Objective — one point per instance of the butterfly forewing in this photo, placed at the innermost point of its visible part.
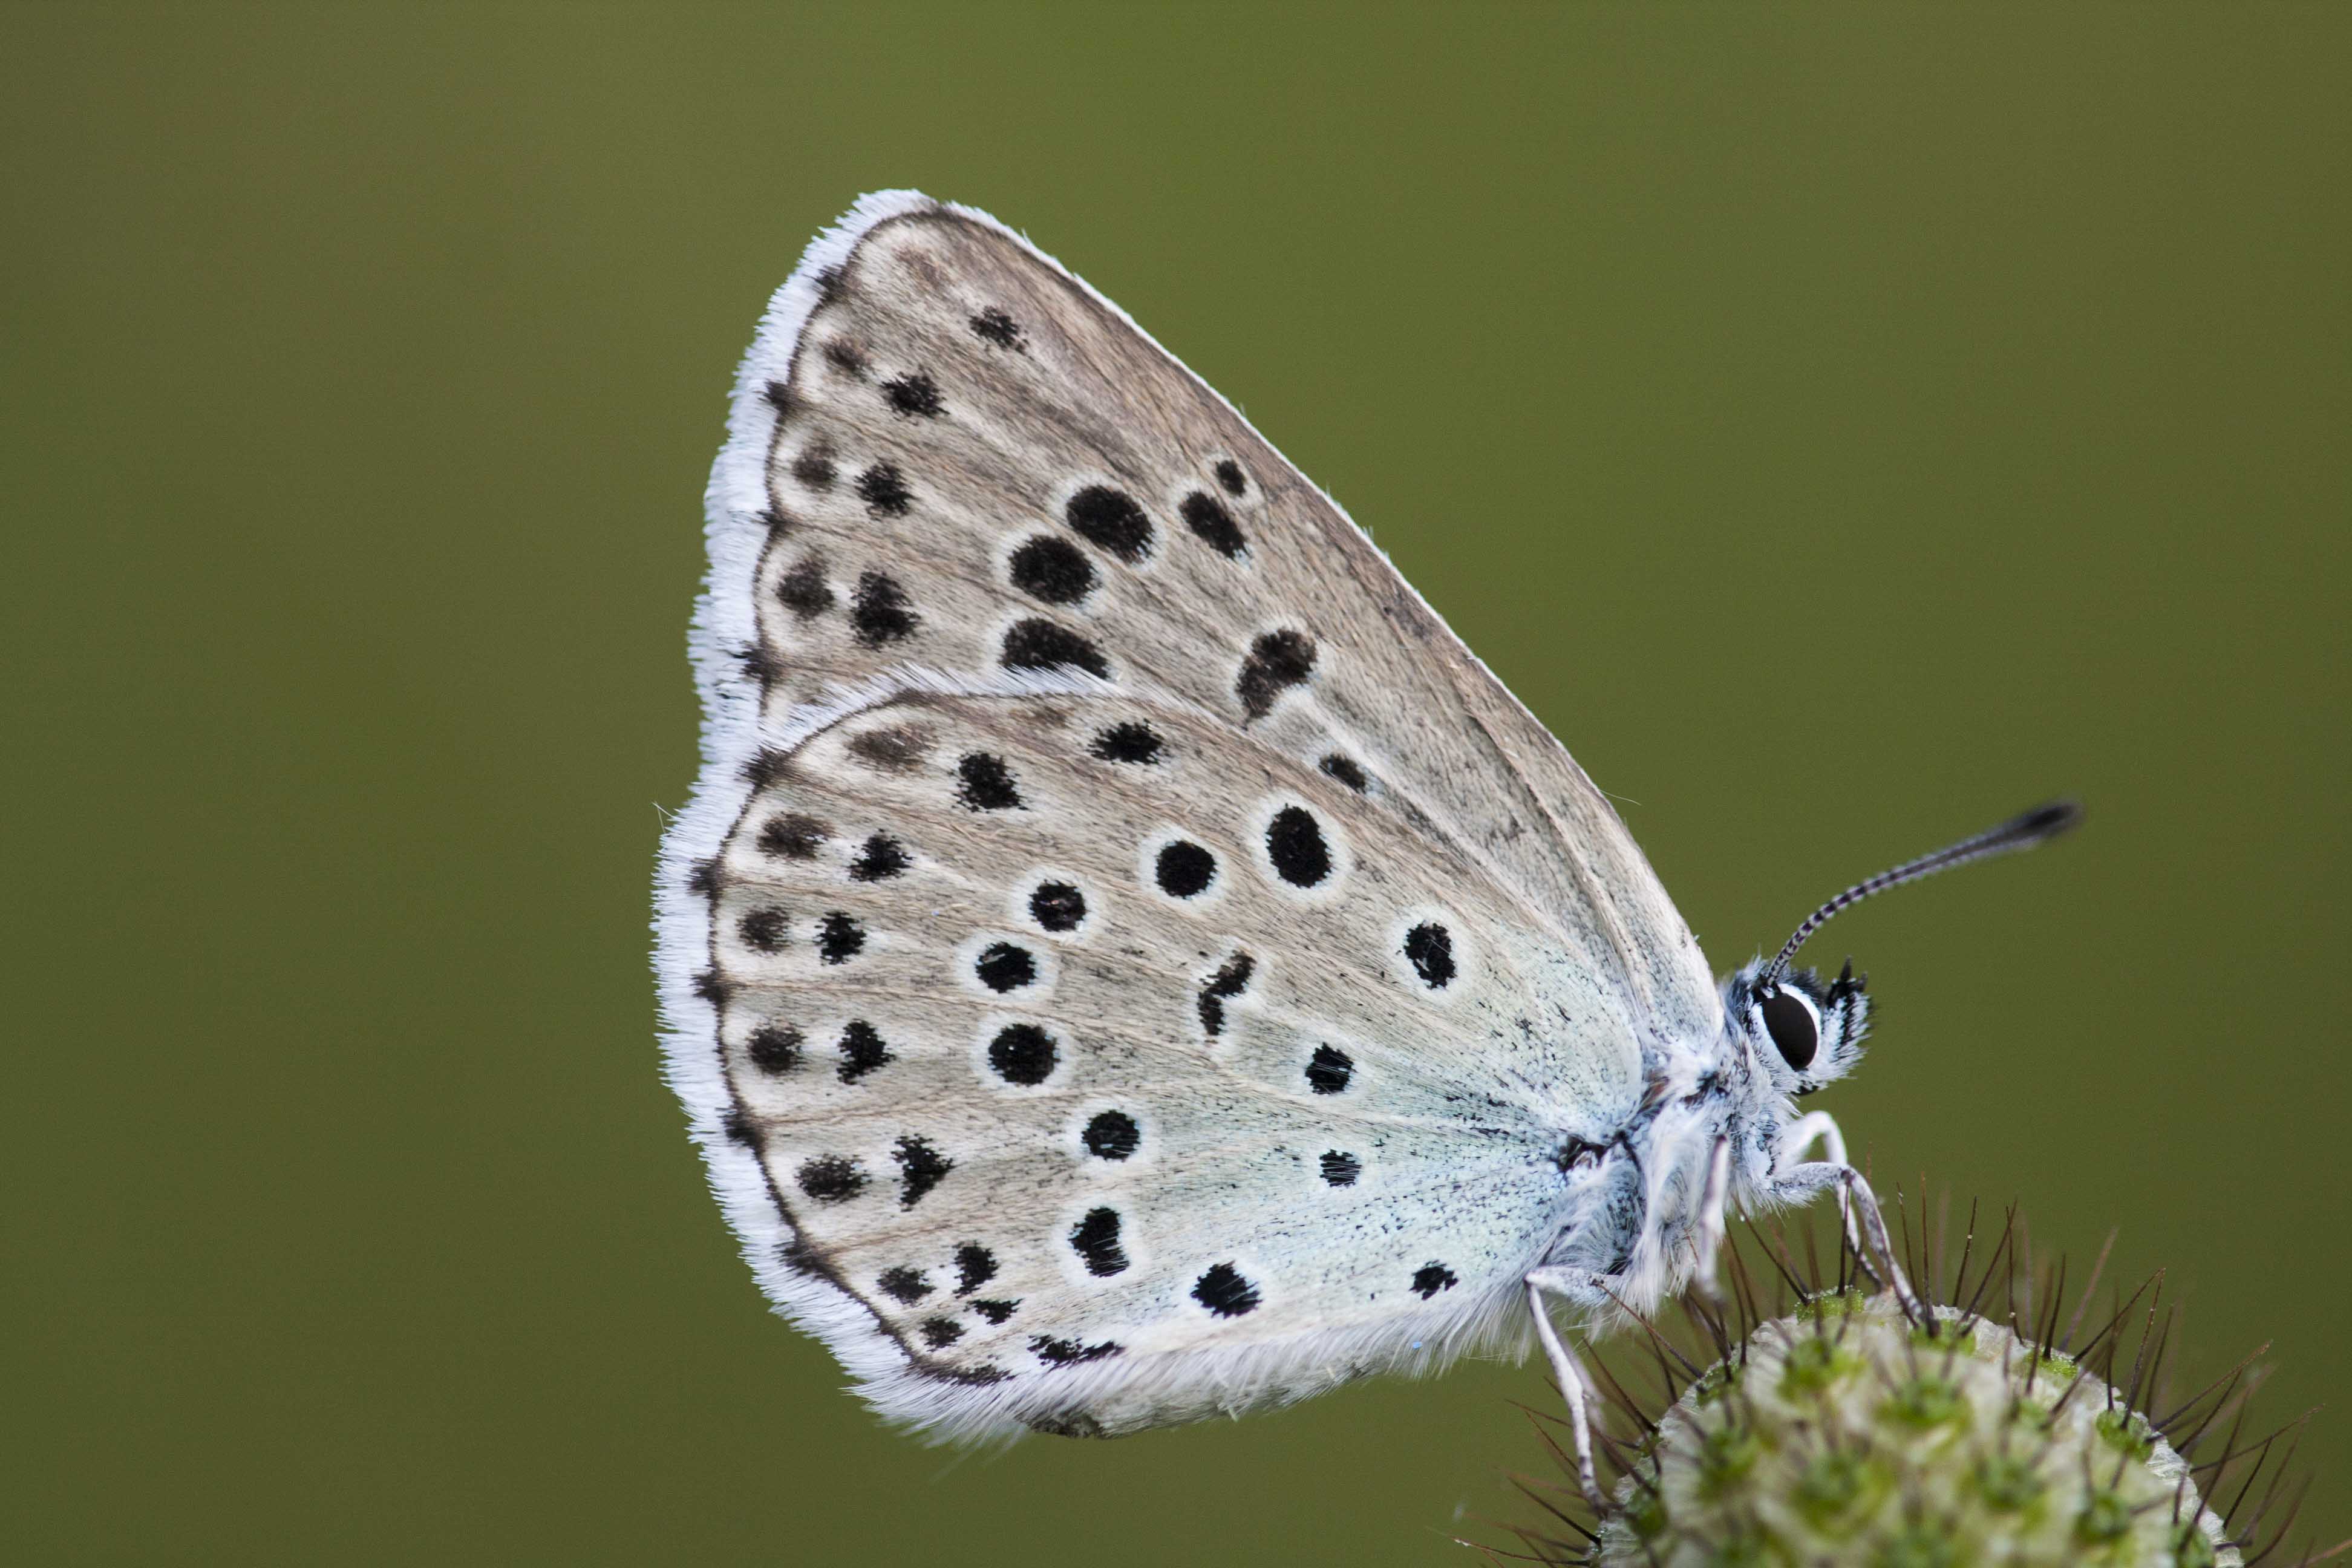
(1149, 966)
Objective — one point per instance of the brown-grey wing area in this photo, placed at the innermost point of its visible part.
(1116, 1096)
(1084, 501)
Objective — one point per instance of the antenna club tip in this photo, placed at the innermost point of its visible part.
(2049, 821)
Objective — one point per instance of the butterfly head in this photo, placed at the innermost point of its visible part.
(1801, 1032)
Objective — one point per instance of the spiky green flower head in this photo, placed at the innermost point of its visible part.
(1846, 1432)
(2005, 1422)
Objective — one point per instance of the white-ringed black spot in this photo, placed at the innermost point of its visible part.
(774, 1047)
(904, 1284)
(938, 1333)
(1109, 519)
(1070, 1352)
(862, 1049)
(985, 784)
(1229, 474)
(921, 1167)
(1276, 662)
(839, 938)
(1206, 516)
(831, 1178)
(1341, 1170)
(994, 1311)
(1294, 843)
(1051, 568)
(1431, 1277)
(1132, 742)
(1111, 1135)
(1429, 948)
(1036, 644)
(994, 326)
(794, 836)
(879, 860)
(914, 396)
(975, 1266)
(1224, 1292)
(1057, 906)
(880, 611)
(1005, 966)
(804, 591)
(763, 930)
(1329, 1069)
(1095, 1239)
(1184, 869)
(1346, 771)
(883, 489)
(1023, 1054)
(1223, 986)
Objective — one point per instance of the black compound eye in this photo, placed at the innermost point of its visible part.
(1795, 1027)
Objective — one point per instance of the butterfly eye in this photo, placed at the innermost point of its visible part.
(1795, 1027)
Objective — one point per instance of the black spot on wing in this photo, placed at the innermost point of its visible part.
(1429, 948)
(883, 489)
(803, 589)
(1111, 1135)
(993, 325)
(1431, 1278)
(1095, 1239)
(1224, 1292)
(1184, 869)
(914, 396)
(1346, 771)
(814, 469)
(921, 1167)
(1070, 1352)
(938, 1333)
(880, 612)
(774, 1047)
(1057, 906)
(1294, 844)
(1223, 986)
(1229, 474)
(1276, 662)
(1023, 1054)
(862, 1049)
(975, 1266)
(904, 1284)
(839, 937)
(1053, 569)
(1329, 1071)
(1207, 517)
(1037, 644)
(1341, 1170)
(793, 837)
(1109, 519)
(1133, 742)
(1004, 966)
(831, 1178)
(985, 784)
(763, 930)
(881, 858)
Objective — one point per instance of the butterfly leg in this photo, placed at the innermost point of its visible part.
(1710, 1240)
(1806, 1181)
(1566, 1373)
(1821, 1127)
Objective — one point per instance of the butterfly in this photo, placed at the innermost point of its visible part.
(1124, 959)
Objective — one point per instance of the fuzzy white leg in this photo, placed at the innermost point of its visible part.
(1808, 1179)
(1820, 1126)
(1569, 1377)
(1709, 1237)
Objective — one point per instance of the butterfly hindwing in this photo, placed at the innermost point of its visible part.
(1233, 1051)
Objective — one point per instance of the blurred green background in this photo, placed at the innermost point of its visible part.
(1843, 426)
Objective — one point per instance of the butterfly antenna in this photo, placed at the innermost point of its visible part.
(2039, 825)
